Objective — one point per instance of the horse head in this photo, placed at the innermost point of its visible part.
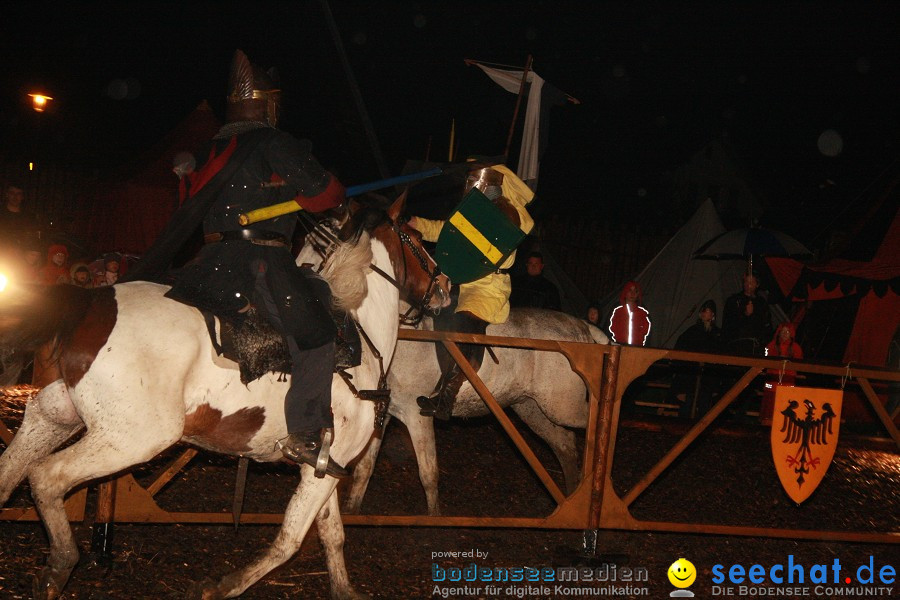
(414, 272)
(423, 284)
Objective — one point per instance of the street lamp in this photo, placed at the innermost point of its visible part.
(39, 102)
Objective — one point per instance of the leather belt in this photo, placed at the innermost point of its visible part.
(254, 236)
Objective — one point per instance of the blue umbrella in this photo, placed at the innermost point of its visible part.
(752, 241)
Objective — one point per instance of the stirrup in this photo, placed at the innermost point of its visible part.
(298, 448)
(324, 451)
(435, 406)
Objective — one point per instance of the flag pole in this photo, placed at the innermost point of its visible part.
(452, 138)
(512, 126)
(354, 89)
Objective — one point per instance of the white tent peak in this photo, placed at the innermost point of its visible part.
(675, 285)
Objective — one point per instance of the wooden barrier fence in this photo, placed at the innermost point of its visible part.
(594, 505)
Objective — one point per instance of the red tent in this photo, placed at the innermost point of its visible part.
(132, 207)
(876, 283)
(868, 288)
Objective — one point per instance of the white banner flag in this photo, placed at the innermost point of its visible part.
(528, 154)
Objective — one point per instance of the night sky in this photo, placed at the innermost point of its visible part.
(657, 81)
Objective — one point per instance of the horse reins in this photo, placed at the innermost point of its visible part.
(422, 307)
(380, 396)
(416, 312)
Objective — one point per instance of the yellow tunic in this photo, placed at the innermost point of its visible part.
(488, 298)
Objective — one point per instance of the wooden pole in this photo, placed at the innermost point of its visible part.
(354, 89)
(512, 126)
(101, 538)
(604, 428)
(452, 138)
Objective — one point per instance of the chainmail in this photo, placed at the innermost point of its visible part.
(237, 128)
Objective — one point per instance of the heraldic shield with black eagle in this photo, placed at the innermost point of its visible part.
(804, 437)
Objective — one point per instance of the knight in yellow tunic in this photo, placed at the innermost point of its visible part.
(484, 300)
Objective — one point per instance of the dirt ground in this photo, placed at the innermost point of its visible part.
(727, 478)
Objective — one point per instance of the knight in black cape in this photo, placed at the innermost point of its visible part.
(250, 164)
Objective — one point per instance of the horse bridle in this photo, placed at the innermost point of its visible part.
(417, 310)
(381, 395)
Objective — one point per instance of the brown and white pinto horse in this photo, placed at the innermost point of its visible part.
(139, 373)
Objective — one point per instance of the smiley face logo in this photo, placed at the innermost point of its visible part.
(682, 573)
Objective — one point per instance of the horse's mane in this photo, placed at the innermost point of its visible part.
(346, 268)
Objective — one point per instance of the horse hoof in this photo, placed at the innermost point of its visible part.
(349, 594)
(44, 587)
(100, 563)
(207, 589)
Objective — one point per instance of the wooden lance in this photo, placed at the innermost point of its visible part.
(284, 208)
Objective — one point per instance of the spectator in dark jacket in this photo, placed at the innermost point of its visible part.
(689, 378)
(747, 324)
(592, 315)
(534, 290)
(16, 221)
(704, 335)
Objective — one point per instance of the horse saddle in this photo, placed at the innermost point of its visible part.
(259, 348)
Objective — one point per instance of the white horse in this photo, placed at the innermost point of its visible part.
(139, 373)
(539, 386)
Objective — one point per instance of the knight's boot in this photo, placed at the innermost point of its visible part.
(312, 448)
(440, 403)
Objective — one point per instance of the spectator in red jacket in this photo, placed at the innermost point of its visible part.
(56, 270)
(781, 346)
(629, 323)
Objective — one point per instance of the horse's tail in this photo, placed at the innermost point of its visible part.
(597, 335)
(36, 317)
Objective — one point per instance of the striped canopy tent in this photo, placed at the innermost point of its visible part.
(874, 283)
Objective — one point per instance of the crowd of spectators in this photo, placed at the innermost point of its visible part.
(30, 255)
(746, 330)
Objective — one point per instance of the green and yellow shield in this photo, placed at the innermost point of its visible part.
(476, 239)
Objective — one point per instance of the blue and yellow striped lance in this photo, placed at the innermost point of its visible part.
(284, 208)
(476, 239)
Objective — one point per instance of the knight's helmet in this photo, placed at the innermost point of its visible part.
(487, 180)
(253, 94)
